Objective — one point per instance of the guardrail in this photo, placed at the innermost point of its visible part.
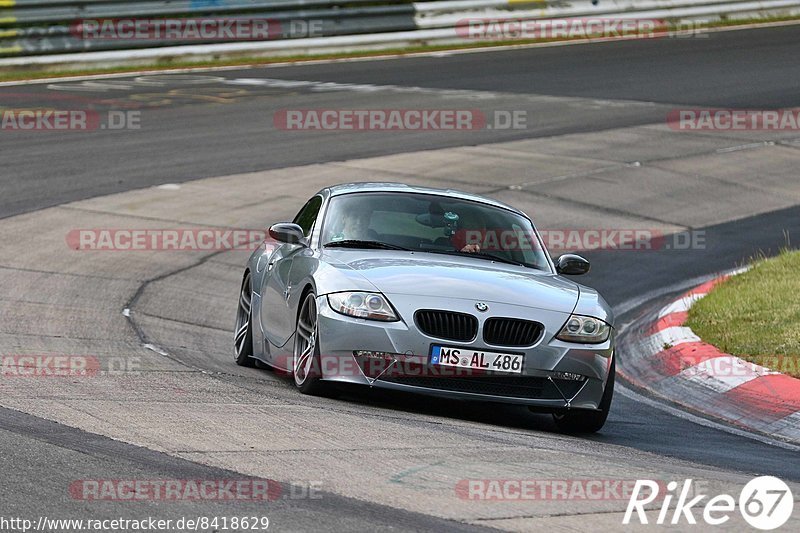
(39, 27)
(32, 27)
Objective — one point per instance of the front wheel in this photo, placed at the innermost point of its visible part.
(243, 332)
(306, 367)
(577, 421)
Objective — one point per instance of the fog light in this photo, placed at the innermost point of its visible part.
(569, 376)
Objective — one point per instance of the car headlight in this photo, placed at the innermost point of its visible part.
(371, 305)
(585, 329)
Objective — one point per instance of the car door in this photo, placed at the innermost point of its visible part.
(277, 318)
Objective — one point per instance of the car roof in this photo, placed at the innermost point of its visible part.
(349, 188)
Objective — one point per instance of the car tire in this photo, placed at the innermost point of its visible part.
(579, 421)
(243, 332)
(305, 361)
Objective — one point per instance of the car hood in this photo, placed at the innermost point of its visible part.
(458, 277)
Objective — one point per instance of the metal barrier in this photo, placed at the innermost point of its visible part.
(38, 27)
(32, 27)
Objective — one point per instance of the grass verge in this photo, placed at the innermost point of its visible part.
(756, 315)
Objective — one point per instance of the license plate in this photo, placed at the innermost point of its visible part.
(467, 358)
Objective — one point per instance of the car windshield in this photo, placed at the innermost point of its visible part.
(434, 224)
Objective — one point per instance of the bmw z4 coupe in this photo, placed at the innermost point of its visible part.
(428, 291)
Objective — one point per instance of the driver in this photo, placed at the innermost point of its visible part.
(468, 220)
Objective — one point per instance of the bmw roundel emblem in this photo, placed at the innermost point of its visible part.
(482, 307)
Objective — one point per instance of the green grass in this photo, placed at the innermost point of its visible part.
(756, 315)
(56, 71)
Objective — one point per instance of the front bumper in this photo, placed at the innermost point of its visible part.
(540, 383)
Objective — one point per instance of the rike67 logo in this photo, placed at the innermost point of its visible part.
(765, 503)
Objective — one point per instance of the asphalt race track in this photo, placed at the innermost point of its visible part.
(721, 70)
(595, 152)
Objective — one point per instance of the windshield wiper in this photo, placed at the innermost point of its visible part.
(357, 243)
(482, 255)
(496, 258)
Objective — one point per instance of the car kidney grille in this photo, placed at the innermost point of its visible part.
(447, 325)
(511, 332)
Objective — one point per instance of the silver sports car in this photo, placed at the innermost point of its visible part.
(429, 291)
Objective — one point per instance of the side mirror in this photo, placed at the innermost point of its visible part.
(572, 265)
(287, 232)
